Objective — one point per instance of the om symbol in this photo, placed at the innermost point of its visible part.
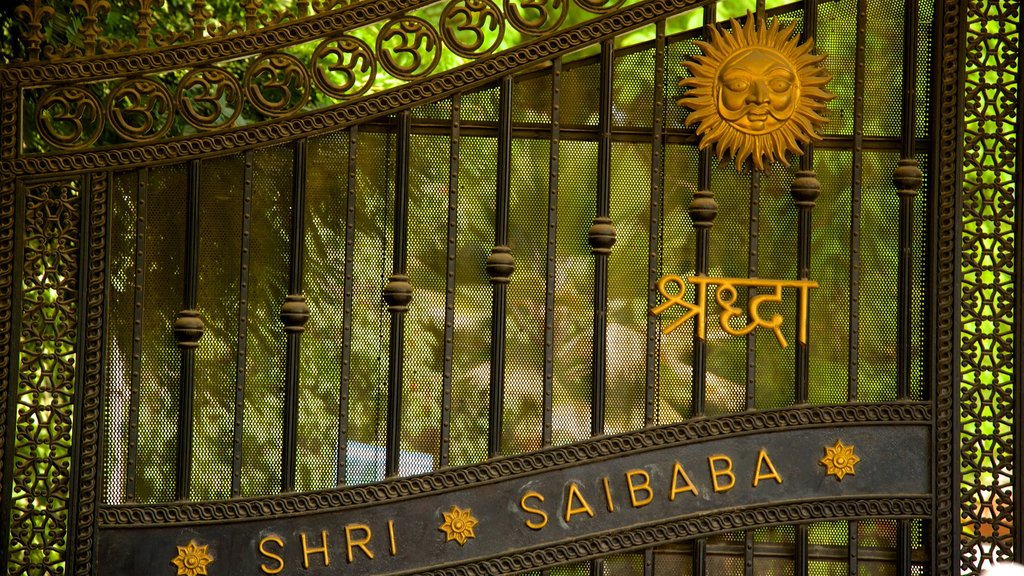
(140, 109)
(468, 38)
(539, 19)
(354, 66)
(277, 84)
(209, 98)
(416, 39)
(69, 117)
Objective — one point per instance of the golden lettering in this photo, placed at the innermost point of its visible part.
(678, 473)
(306, 550)
(634, 488)
(570, 509)
(534, 524)
(726, 295)
(263, 550)
(762, 458)
(678, 299)
(361, 543)
(716, 473)
(391, 534)
(608, 494)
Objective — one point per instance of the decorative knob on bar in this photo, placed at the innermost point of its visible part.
(294, 313)
(188, 328)
(601, 235)
(703, 208)
(500, 265)
(398, 293)
(907, 177)
(806, 188)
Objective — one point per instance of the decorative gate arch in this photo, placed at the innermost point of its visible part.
(467, 287)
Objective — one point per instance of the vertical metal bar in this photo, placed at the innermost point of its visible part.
(188, 335)
(18, 258)
(699, 558)
(907, 179)
(243, 323)
(294, 314)
(601, 237)
(141, 203)
(397, 295)
(449, 287)
(753, 233)
(1018, 327)
(702, 212)
(852, 547)
(85, 202)
(800, 553)
(748, 553)
(903, 547)
(649, 562)
(654, 226)
(853, 363)
(805, 192)
(552, 253)
(500, 266)
(341, 465)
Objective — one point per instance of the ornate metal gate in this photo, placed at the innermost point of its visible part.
(462, 287)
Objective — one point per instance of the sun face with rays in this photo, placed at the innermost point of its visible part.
(756, 92)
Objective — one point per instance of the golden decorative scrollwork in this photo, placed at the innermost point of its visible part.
(209, 98)
(470, 38)
(140, 109)
(353, 62)
(756, 92)
(416, 39)
(277, 84)
(69, 117)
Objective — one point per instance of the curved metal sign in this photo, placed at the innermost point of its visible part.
(553, 506)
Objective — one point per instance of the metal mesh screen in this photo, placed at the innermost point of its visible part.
(220, 249)
(323, 285)
(268, 285)
(532, 94)
(580, 93)
(424, 328)
(627, 284)
(883, 61)
(121, 296)
(837, 38)
(879, 249)
(524, 325)
(470, 362)
(675, 350)
(829, 328)
(372, 263)
(574, 291)
(161, 359)
(633, 103)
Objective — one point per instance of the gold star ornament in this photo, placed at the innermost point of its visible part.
(839, 460)
(458, 525)
(192, 560)
(756, 92)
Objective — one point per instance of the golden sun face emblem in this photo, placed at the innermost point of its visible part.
(458, 525)
(756, 92)
(839, 460)
(192, 560)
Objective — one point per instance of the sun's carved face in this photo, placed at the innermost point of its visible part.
(756, 92)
